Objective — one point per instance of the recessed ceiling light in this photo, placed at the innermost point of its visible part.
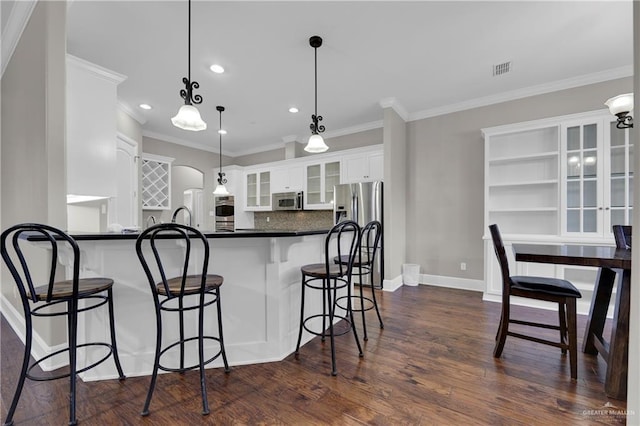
(293, 110)
(145, 106)
(222, 131)
(218, 69)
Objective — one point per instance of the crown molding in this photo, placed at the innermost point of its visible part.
(132, 113)
(290, 138)
(178, 141)
(16, 23)
(97, 70)
(396, 106)
(541, 89)
(353, 129)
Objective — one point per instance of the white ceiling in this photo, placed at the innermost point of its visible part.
(428, 55)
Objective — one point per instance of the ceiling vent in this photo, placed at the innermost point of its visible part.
(501, 69)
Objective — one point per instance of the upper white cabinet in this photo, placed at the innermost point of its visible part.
(321, 177)
(287, 178)
(597, 171)
(367, 166)
(521, 179)
(91, 128)
(156, 182)
(258, 189)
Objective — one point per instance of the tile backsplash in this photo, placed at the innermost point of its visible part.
(294, 220)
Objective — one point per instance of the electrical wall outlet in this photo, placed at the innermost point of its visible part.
(268, 219)
(463, 266)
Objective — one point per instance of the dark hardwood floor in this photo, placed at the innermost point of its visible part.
(431, 364)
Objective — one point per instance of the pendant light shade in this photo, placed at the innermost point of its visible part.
(221, 189)
(316, 142)
(622, 107)
(188, 117)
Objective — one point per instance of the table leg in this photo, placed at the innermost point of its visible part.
(598, 312)
(615, 385)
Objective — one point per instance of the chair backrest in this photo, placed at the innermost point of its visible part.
(501, 253)
(369, 242)
(342, 239)
(622, 234)
(19, 262)
(159, 242)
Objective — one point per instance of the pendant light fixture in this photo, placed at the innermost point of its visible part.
(188, 117)
(221, 189)
(622, 107)
(316, 143)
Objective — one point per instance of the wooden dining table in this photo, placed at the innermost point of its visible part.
(612, 263)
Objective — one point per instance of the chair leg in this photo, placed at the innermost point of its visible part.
(330, 304)
(353, 323)
(325, 286)
(156, 361)
(203, 381)
(23, 370)
(220, 334)
(301, 316)
(114, 347)
(573, 340)
(501, 337)
(364, 323)
(181, 325)
(72, 316)
(562, 316)
(373, 297)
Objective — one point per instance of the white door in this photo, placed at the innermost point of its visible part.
(125, 204)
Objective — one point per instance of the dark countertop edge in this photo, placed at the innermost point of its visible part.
(241, 234)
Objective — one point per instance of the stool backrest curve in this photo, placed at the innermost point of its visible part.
(370, 240)
(344, 237)
(152, 238)
(13, 255)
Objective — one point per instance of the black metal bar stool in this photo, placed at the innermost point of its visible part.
(329, 277)
(365, 265)
(177, 293)
(38, 300)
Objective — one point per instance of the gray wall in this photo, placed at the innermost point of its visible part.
(445, 162)
(33, 184)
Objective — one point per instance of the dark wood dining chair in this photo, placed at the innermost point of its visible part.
(547, 289)
(622, 234)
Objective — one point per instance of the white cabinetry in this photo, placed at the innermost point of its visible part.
(560, 180)
(287, 178)
(320, 179)
(258, 190)
(156, 182)
(91, 128)
(597, 170)
(367, 166)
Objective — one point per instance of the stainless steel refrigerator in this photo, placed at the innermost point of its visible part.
(362, 202)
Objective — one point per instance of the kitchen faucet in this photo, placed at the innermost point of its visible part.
(175, 214)
(152, 218)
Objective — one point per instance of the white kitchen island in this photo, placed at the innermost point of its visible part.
(260, 298)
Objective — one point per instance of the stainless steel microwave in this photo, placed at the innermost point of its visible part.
(286, 201)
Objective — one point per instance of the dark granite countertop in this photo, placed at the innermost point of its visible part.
(240, 233)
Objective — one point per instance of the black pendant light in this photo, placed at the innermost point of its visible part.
(316, 142)
(221, 189)
(188, 117)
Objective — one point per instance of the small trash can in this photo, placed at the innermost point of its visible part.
(410, 274)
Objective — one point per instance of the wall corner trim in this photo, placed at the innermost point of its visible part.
(16, 23)
(396, 106)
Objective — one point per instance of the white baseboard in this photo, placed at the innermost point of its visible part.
(452, 282)
(392, 284)
(39, 347)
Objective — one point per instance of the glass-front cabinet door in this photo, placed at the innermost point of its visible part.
(620, 175)
(320, 180)
(582, 173)
(258, 187)
(597, 167)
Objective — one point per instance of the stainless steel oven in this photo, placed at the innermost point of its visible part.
(224, 213)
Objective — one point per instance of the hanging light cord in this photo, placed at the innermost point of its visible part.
(316, 42)
(221, 179)
(187, 92)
